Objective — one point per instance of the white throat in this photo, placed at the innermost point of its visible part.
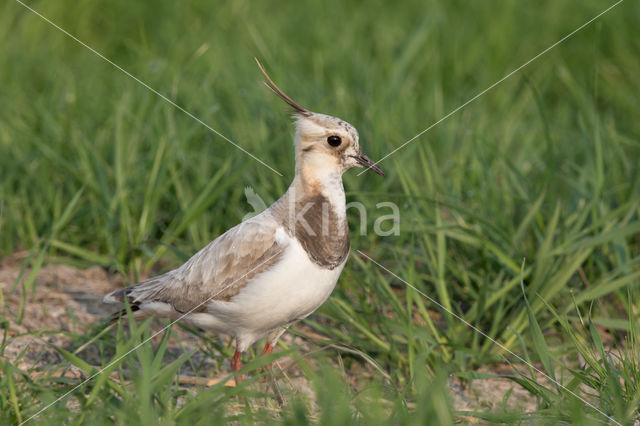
(333, 189)
(313, 177)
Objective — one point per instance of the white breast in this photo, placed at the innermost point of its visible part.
(291, 290)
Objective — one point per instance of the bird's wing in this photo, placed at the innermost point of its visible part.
(217, 272)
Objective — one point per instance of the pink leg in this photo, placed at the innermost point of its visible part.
(236, 364)
(267, 349)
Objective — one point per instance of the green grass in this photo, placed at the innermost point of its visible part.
(533, 191)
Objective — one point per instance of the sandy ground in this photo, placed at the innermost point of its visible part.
(68, 299)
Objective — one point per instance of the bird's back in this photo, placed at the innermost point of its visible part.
(217, 272)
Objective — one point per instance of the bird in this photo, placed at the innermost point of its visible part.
(277, 267)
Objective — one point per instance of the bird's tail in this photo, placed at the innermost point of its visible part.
(115, 317)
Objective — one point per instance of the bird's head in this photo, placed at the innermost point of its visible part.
(323, 143)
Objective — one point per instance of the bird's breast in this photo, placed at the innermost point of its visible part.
(291, 290)
(322, 232)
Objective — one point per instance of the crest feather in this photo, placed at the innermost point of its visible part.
(275, 89)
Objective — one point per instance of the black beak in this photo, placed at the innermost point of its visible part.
(366, 162)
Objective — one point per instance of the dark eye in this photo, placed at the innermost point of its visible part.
(334, 140)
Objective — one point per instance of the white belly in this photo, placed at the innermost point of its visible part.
(291, 290)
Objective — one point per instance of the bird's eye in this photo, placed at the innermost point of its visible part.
(334, 140)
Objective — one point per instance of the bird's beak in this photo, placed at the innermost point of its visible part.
(366, 162)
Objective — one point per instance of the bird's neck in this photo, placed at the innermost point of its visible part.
(307, 186)
(313, 211)
(326, 182)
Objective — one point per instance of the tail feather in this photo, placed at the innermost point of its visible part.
(134, 295)
(144, 291)
(115, 317)
(117, 296)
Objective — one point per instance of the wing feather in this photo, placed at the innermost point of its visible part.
(217, 272)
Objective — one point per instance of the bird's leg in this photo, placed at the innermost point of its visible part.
(268, 348)
(272, 338)
(236, 364)
(268, 369)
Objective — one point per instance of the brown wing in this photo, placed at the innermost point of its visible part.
(217, 272)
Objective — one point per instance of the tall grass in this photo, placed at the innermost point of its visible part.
(97, 170)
